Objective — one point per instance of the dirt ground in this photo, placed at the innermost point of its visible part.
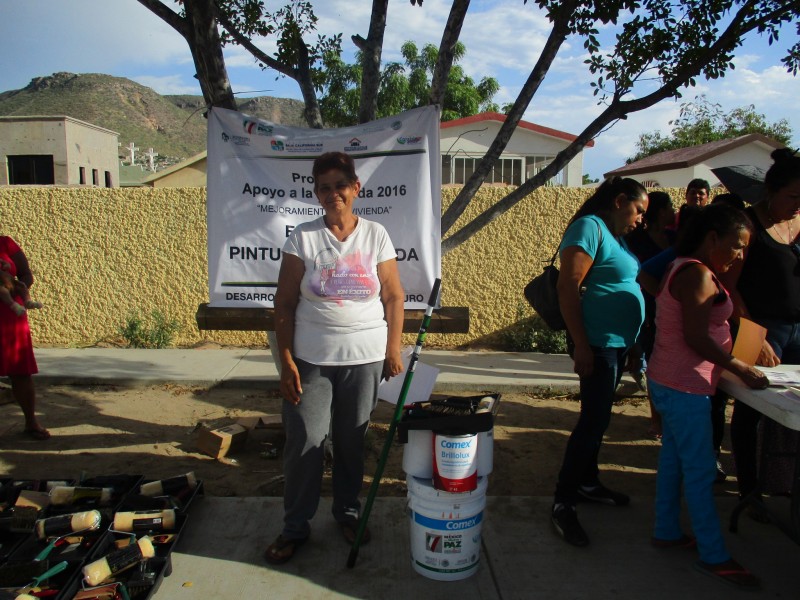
(152, 431)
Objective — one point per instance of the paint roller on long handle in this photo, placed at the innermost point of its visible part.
(398, 411)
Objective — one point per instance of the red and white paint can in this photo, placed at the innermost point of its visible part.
(455, 462)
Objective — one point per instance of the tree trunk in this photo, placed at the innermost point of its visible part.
(444, 61)
(206, 49)
(371, 62)
(199, 29)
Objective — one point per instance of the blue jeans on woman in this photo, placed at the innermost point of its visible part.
(597, 396)
(687, 457)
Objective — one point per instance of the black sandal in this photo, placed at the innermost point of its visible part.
(282, 549)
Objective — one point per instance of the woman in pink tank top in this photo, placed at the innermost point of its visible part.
(692, 347)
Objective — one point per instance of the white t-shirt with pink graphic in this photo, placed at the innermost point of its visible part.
(339, 319)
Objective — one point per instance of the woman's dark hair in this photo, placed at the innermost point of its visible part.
(334, 161)
(719, 218)
(783, 171)
(658, 202)
(604, 196)
(731, 199)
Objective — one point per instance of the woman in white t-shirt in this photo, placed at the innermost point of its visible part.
(338, 322)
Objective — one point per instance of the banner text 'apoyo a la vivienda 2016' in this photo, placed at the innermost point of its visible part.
(260, 187)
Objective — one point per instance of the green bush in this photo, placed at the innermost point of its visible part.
(155, 332)
(531, 334)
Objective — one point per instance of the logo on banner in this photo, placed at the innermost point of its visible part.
(259, 128)
(416, 139)
(239, 140)
(305, 147)
(276, 145)
(397, 125)
(354, 145)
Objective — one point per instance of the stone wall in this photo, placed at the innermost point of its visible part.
(99, 254)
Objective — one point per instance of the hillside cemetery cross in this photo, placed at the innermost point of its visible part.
(132, 149)
(150, 156)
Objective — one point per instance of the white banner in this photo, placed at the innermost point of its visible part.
(260, 188)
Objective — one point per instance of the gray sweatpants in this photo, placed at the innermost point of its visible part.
(335, 398)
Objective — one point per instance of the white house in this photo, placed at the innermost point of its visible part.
(676, 168)
(57, 150)
(531, 148)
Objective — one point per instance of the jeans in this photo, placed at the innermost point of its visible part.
(784, 337)
(338, 399)
(687, 457)
(597, 396)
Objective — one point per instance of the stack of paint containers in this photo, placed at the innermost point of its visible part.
(447, 459)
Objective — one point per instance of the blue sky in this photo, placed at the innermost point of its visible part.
(502, 37)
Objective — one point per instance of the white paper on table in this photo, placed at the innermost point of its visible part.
(780, 376)
(421, 383)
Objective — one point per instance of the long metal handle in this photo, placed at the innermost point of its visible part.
(398, 411)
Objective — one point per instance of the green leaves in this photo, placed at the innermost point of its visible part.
(402, 87)
(701, 122)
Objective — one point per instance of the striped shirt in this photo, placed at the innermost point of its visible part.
(673, 363)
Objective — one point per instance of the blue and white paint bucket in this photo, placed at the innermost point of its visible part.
(445, 529)
(418, 457)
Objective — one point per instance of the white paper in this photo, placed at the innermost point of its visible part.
(421, 383)
(780, 376)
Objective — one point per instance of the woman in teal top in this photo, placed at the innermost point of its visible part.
(602, 305)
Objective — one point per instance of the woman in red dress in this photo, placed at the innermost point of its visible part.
(16, 347)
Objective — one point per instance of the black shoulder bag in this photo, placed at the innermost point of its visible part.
(542, 295)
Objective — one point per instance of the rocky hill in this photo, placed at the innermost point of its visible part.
(173, 126)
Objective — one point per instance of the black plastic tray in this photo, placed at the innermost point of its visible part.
(60, 581)
(423, 417)
(180, 502)
(161, 565)
(31, 547)
(121, 486)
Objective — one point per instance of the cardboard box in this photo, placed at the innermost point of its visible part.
(221, 441)
(37, 500)
(261, 422)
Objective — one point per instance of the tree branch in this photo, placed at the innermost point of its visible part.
(301, 74)
(168, 15)
(618, 109)
(554, 41)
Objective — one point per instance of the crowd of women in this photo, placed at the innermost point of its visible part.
(339, 316)
(724, 263)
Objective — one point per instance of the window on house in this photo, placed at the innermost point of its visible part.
(534, 164)
(31, 169)
(82, 175)
(108, 178)
(459, 170)
(95, 177)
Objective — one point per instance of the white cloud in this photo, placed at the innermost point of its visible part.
(168, 84)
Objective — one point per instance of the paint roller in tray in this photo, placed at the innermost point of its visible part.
(66, 495)
(169, 487)
(55, 526)
(119, 560)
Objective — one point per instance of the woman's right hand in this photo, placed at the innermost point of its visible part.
(290, 382)
(584, 360)
(753, 378)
